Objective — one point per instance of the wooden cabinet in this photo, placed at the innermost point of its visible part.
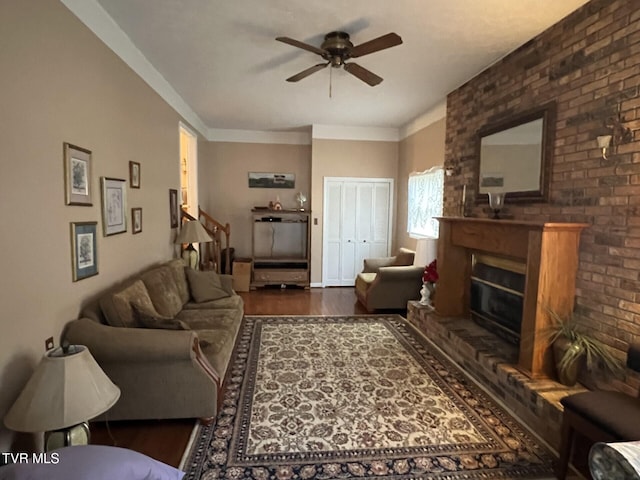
(280, 244)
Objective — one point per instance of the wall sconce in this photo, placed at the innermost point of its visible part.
(619, 133)
(603, 143)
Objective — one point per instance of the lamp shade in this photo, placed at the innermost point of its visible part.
(66, 389)
(193, 232)
(426, 251)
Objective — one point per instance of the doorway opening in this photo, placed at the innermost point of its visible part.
(188, 170)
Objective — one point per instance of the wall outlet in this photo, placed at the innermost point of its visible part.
(48, 344)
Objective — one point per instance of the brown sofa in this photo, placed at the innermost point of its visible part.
(165, 336)
(389, 282)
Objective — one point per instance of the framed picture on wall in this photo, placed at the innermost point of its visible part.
(84, 251)
(136, 220)
(114, 205)
(77, 175)
(134, 174)
(173, 208)
(272, 180)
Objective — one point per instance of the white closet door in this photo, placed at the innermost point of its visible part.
(363, 219)
(333, 234)
(357, 221)
(380, 228)
(349, 226)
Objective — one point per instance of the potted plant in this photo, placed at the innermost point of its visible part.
(572, 346)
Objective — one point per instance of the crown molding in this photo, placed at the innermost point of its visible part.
(105, 28)
(341, 132)
(258, 136)
(435, 113)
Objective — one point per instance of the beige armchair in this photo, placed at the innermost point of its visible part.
(389, 282)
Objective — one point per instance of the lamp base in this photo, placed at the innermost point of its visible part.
(65, 437)
(190, 257)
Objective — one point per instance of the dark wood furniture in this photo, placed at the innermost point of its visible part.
(600, 416)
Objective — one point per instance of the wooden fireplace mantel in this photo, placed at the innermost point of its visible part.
(550, 252)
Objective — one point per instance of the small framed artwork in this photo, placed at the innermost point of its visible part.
(114, 205)
(84, 251)
(173, 207)
(77, 175)
(134, 174)
(272, 180)
(136, 220)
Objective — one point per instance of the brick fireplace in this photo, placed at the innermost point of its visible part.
(586, 64)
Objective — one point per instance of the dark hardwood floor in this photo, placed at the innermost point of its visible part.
(165, 440)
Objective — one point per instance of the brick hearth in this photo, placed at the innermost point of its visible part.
(490, 360)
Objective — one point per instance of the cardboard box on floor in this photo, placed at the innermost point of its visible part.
(242, 274)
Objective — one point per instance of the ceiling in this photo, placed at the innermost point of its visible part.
(221, 59)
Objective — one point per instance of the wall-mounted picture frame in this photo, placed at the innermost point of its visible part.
(136, 220)
(84, 250)
(173, 208)
(271, 180)
(114, 205)
(134, 174)
(77, 175)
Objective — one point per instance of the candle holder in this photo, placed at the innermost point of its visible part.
(496, 202)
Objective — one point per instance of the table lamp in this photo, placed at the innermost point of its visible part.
(192, 232)
(67, 389)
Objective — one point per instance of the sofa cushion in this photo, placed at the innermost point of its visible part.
(180, 276)
(122, 314)
(163, 291)
(217, 345)
(205, 286)
(233, 302)
(152, 319)
(196, 319)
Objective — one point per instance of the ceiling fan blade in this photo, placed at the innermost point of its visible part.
(363, 74)
(307, 72)
(299, 44)
(386, 41)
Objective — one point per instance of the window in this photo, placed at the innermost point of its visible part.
(425, 199)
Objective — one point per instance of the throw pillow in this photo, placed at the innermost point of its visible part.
(134, 293)
(149, 318)
(96, 462)
(180, 277)
(205, 286)
(163, 291)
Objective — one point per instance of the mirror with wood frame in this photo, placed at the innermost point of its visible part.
(514, 156)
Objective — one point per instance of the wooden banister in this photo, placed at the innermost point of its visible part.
(210, 252)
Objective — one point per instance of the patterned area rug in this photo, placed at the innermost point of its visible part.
(356, 397)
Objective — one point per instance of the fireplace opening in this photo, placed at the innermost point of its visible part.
(497, 295)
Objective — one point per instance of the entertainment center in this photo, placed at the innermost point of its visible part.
(280, 246)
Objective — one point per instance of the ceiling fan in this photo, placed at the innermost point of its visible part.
(337, 49)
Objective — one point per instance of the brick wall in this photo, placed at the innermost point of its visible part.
(589, 64)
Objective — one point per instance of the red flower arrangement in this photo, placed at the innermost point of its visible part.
(430, 274)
